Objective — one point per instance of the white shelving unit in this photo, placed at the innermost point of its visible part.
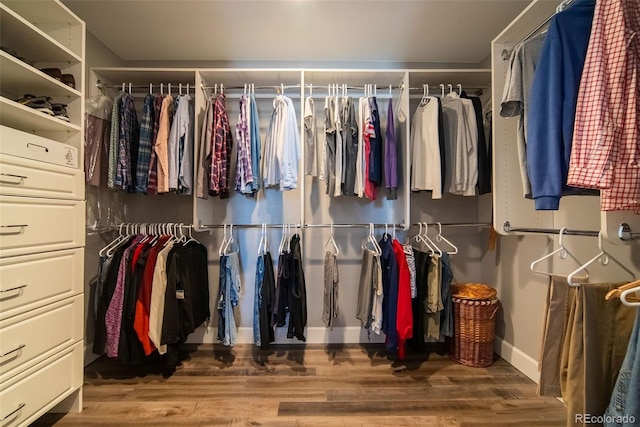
(42, 209)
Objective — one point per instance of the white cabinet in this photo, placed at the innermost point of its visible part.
(42, 213)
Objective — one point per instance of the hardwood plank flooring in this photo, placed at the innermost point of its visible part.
(311, 385)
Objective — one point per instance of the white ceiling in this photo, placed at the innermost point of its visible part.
(422, 31)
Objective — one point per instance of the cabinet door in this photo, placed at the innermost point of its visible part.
(38, 225)
(37, 334)
(24, 177)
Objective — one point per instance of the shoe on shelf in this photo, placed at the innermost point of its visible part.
(15, 54)
(69, 80)
(40, 103)
(53, 72)
(60, 111)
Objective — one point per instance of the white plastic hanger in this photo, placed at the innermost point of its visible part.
(231, 245)
(115, 242)
(440, 238)
(224, 240)
(371, 240)
(605, 258)
(284, 241)
(635, 302)
(264, 243)
(431, 242)
(561, 251)
(332, 242)
(419, 239)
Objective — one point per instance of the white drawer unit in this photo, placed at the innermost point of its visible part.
(30, 281)
(30, 146)
(37, 225)
(38, 334)
(38, 389)
(30, 178)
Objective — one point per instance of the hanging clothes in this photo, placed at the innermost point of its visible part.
(152, 293)
(264, 302)
(404, 320)
(161, 144)
(484, 162)
(146, 144)
(350, 143)
(391, 176)
(369, 134)
(244, 164)
(256, 149)
(605, 146)
(230, 290)
(113, 140)
(291, 292)
(390, 286)
(368, 282)
(152, 182)
(310, 151)
(515, 97)
(181, 147)
(330, 133)
(339, 153)
(330, 308)
(425, 148)
(552, 103)
(221, 146)
(282, 146)
(97, 125)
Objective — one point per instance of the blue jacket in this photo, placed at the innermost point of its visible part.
(552, 104)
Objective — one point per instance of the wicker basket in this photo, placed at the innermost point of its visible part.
(474, 322)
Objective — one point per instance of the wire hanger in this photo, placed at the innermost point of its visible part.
(605, 258)
(561, 251)
(332, 241)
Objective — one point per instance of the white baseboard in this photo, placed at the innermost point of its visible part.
(313, 335)
(518, 359)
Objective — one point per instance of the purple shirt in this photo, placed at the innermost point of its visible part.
(391, 156)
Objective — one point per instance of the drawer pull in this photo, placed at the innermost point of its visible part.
(20, 406)
(13, 289)
(11, 229)
(42, 147)
(18, 348)
(10, 178)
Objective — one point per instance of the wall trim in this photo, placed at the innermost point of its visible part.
(518, 359)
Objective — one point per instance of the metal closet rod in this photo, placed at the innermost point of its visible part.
(354, 225)
(248, 86)
(625, 233)
(507, 228)
(191, 86)
(248, 225)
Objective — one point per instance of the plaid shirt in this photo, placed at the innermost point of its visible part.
(244, 174)
(606, 142)
(220, 173)
(127, 144)
(145, 147)
(152, 183)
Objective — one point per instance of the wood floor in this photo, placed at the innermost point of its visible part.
(313, 385)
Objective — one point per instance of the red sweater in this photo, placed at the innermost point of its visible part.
(404, 315)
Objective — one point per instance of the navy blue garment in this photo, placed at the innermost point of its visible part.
(443, 159)
(446, 276)
(552, 103)
(390, 291)
(375, 156)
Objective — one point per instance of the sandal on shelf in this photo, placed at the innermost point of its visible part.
(40, 103)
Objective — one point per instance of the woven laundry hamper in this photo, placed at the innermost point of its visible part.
(474, 320)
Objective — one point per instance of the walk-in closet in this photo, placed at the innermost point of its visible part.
(319, 213)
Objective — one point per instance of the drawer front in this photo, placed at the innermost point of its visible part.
(38, 334)
(30, 281)
(38, 225)
(41, 387)
(24, 177)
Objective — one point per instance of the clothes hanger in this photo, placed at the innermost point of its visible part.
(191, 238)
(615, 293)
(129, 230)
(440, 238)
(562, 251)
(419, 239)
(605, 258)
(332, 241)
(119, 238)
(284, 240)
(262, 245)
(459, 89)
(427, 238)
(224, 240)
(442, 89)
(630, 297)
(370, 239)
(231, 245)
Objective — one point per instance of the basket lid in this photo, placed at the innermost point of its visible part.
(473, 291)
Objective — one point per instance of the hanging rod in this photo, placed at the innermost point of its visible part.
(126, 85)
(625, 234)
(362, 225)
(507, 228)
(212, 226)
(272, 87)
(339, 86)
(456, 224)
